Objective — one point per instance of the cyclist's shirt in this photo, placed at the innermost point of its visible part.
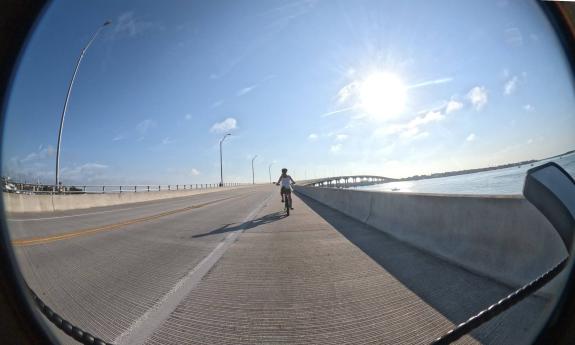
(285, 182)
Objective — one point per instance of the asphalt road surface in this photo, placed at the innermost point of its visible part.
(229, 268)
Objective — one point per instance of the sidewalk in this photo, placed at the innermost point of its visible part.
(304, 280)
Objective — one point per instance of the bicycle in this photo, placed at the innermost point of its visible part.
(287, 201)
(287, 204)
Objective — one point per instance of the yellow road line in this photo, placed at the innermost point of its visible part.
(83, 232)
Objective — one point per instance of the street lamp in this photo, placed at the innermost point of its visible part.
(221, 165)
(107, 22)
(253, 176)
(270, 171)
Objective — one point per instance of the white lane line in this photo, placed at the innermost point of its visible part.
(142, 328)
(89, 213)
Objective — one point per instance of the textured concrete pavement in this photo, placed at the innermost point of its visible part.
(104, 281)
(315, 277)
(304, 280)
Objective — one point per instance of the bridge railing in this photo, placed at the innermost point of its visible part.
(348, 181)
(31, 188)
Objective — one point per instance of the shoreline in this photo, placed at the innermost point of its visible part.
(472, 171)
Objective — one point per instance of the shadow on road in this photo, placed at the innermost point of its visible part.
(453, 291)
(268, 218)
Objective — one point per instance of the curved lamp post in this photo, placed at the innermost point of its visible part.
(221, 164)
(68, 98)
(253, 176)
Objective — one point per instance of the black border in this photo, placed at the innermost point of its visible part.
(20, 324)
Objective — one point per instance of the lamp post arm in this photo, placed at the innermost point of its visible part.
(68, 93)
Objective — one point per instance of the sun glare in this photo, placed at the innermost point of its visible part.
(382, 95)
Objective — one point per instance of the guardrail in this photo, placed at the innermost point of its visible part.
(27, 188)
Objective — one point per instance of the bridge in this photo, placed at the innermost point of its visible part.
(225, 266)
(348, 181)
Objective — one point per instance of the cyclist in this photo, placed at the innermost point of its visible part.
(286, 181)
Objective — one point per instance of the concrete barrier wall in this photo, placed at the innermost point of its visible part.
(20, 203)
(501, 237)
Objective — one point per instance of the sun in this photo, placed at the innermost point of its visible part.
(382, 95)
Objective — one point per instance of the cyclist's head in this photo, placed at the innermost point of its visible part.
(284, 170)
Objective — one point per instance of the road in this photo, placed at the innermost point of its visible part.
(229, 268)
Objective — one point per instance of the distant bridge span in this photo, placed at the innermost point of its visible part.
(348, 181)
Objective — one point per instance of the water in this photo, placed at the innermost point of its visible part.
(506, 181)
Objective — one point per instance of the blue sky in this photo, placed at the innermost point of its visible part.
(321, 87)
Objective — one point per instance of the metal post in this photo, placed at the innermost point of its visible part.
(270, 171)
(68, 98)
(253, 176)
(221, 161)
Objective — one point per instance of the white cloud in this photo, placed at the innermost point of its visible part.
(143, 127)
(478, 97)
(43, 152)
(389, 130)
(421, 135)
(341, 137)
(510, 85)
(167, 141)
(412, 129)
(84, 173)
(312, 136)
(346, 92)
(528, 107)
(530, 141)
(431, 82)
(188, 117)
(409, 133)
(126, 25)
(217, 103)
(513, 37)
(470, 137)
(335, 148)
(452, 106)
(194, 172)
(413, 133)
(246, 90)
(118, 137)
(432, 116)
(227, 125)
(330, 113)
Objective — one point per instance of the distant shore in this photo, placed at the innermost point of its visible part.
(471, 171)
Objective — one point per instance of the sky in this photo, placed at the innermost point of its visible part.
(323, 88)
